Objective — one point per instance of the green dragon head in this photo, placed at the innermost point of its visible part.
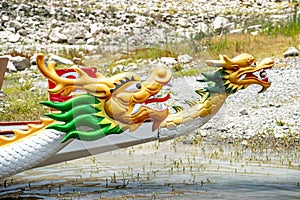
(235, 74)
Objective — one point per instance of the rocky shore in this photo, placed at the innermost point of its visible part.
(117, 24)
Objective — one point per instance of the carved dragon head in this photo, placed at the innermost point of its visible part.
(129, 102)
(236, 74)
(111, 105)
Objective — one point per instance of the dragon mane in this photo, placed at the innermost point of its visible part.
(217, 82)
(83, 118)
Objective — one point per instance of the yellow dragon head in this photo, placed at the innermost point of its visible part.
(237, 73)
(111, 105)
(129, 100)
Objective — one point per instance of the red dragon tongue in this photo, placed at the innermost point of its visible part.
(153, 100)
(265, 80)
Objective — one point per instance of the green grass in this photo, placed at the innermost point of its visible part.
(22, 104)
(290, 28)
(190, 72)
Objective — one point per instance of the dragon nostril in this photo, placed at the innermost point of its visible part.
(162, 72)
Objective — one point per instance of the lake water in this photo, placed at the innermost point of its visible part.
(169, 170)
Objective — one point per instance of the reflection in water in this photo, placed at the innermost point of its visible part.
(164, 171)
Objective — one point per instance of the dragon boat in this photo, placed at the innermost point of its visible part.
(114, 112)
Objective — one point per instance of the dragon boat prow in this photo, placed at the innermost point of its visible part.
(117, 112)
(74, 149)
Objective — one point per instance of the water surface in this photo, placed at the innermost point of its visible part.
(169, 170)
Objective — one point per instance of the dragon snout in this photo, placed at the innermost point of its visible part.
(160, 74)
(266, 63)
(262, 75)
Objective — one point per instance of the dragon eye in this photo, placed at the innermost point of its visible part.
(133, 87)
(253, 64)
(138, 85)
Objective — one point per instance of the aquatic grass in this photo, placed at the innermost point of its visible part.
(197, 172)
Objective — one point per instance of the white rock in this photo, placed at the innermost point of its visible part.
(14, 37)
(11, 67)
(5, 18)
(5, 34)
(254, 27)
(91, 41)
(183, 22)
(292, 51)
(168, 60)
(96, 28)
(219, 23)
(237, 31)
(10, 29)
(185, 58)
(59, 60)
(254, 33)
(203, 133)
(57, 36)
(203, 28)
(75, 30)
(14, 24)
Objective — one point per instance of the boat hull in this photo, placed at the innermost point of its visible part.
(45, 148)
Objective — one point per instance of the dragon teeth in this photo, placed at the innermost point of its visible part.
(136, 108)
(256, 74)
(242, 77)
(261, 74)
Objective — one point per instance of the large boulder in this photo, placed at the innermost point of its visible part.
(221, 24)
(14, 38)
(71, 32)
(75, 31)
(14, 24)
(5, 34)
(20, 62)
(57, 36)
(291, 52)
